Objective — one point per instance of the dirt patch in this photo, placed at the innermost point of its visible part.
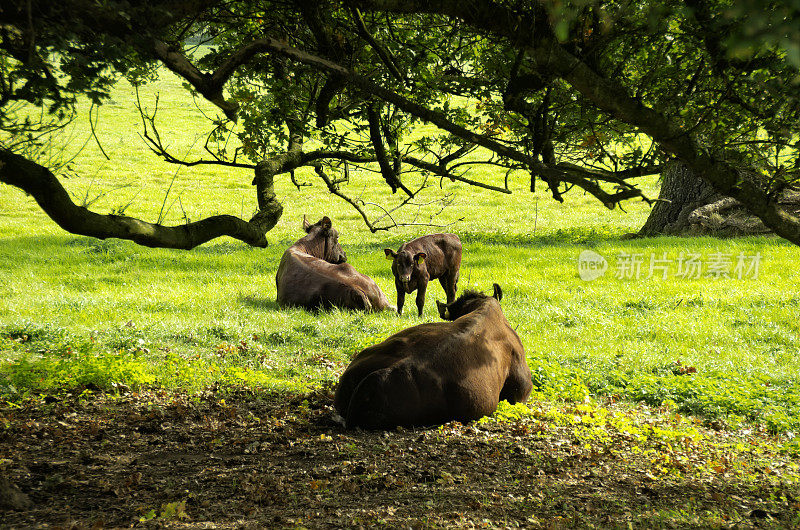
(222, 460)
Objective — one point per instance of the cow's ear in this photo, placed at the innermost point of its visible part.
(420, 257)
(498, 292)
(390, 254)
(326, 223)
(306, 224)
(443, 311)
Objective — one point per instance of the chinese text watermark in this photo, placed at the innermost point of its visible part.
(686, 265)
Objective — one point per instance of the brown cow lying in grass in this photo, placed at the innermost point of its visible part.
(313, 274)
(434, 373)
(426, 258)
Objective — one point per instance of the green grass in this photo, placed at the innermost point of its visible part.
(75, 310)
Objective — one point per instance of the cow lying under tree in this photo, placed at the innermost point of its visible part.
(438, 372)
(426, 258)
(313, 274)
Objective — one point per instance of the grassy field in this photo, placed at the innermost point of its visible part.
(79, 311)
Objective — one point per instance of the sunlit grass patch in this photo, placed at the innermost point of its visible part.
(661, 443)
(101, 312)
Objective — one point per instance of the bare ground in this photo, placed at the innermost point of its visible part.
(243, 459)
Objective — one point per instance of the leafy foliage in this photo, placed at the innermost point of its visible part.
(587, 94)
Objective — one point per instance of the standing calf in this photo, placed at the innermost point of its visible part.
(426, 258)
(313, 274)
(438, 372)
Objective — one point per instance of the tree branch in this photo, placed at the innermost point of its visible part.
(209, 86)
(39, 182)
(332, 85)
(334, 189)
(608, 95)
(382, 52)
(530, 30)
(439, 169)
(387, 170)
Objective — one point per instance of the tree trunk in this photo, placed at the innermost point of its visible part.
(270, 208)
(681, 193)
(689, 205)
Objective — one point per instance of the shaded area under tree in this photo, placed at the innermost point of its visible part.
(255, 460)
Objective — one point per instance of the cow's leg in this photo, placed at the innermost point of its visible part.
(401, 297)
(356, 300)
(444, 280)
(368, 408)
(449, 282)
(423, 286)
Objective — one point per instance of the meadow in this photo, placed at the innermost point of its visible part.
(77, 312)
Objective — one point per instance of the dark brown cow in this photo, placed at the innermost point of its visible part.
(313, 274)
(426, 258)
(434, 373)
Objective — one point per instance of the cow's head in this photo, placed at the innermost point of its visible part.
(468, 302)
(322, 241)
(405, 263)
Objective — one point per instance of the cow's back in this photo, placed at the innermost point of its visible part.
(429, 374)
(392, 351)
(443, 252)
(305, 281)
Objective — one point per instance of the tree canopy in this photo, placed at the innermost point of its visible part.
(584, 94)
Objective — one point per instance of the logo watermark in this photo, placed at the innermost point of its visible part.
(591, 265)
(686, 265)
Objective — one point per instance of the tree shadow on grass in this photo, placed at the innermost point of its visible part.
(257, 302)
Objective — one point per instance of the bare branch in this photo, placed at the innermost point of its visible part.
(334, 189)
(441, 171)
(455, 155)
(153, 141)
(92, 124)
(357, 204)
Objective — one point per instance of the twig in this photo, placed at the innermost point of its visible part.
(162, 213)
(295, 182)
(334, 189)
(164, 203)
(438, 170)
(94, 134)
(99, 196)
(358, 203)
(121, 211)
(155, 144)
(382, 52)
